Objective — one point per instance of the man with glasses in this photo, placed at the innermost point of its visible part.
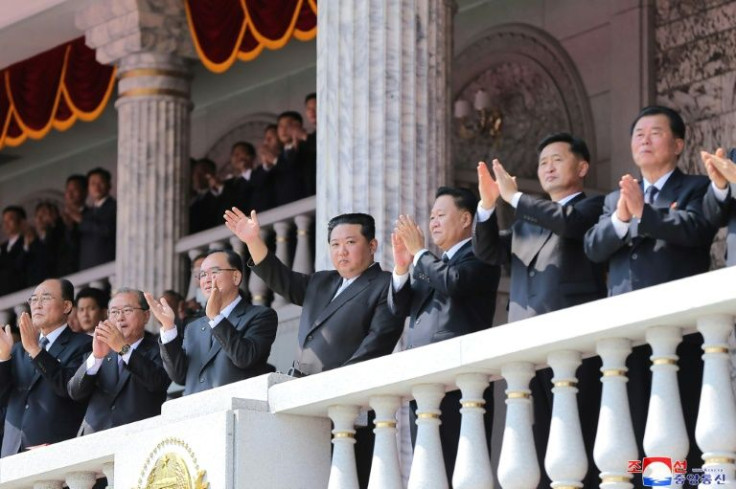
(232, 342)
(124, 378)
(34, 372)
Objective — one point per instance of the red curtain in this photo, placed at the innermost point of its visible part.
(52, 90)
(226, 30)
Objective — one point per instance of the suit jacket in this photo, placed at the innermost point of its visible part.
(114, 400)
(357, 325)
(205, 212)
(673, 239)
(12, 266)
(247, 195)
(295, 174)
(236, 349)
(39, 409)
(445, 300)
(721, 214)
(97, 234)
(549, 269)
(43, 255)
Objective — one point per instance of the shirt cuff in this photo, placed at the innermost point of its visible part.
(216, 320)
(419, 255)
(720, 194)
(482, 215)
(399, 280)
(93, 365)
(168, 335)
(515, 199)
(620, 226)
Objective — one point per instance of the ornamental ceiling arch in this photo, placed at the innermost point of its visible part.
(534, 84)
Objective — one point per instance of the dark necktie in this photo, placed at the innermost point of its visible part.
(651, 194)
(121, 366)
(43, 342)
(445, 258)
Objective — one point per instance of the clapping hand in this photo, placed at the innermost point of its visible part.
(506, 183)
(487, 187)
(410, 234)
(6, 343)
(402, 257)
(161, 310)
(28, 335)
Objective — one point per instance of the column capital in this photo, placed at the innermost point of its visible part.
(118, 28)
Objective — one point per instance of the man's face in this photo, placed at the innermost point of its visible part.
(75, 193)
(217, 271)
(271, 141)
(310, 110)
(653, 146)
(126, 314)
(12, 223)
(240, 160)
(448, 225)
(350, 251)
(98, 187)
(560, 172)
(48, 310)
(43, 218)
(285, 126)
(199, 177)
(89, 314)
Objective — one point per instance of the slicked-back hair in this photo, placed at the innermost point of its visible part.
(271, 127)
(138, 294)
(233, 259)
(17, 210)
(45, 204)
(100, 297)
(464, 199)
(67, 290)
(209, 165)
(249, 149)
(677, 125)
(291, 114)
(310, 96)
(366, 222)
(106, 175)
(80, 179)
(577, 145)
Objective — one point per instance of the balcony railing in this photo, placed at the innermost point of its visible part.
(273, 432)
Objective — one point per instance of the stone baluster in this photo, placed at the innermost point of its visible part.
(257, 287)
(715, 430)
(303, 258)
(343, 472)
(101, 284)
(48, 485)
(80, 480)
(615, 443)
(473, 463)
(282, 229)
(193, 280)
(665, 434)
(385, 470)
(428, 466)
(241, 249)
(222, 244)
(108, 468)
(517, 466)
(565, 460)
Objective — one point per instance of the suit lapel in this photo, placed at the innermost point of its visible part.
(426, 292)
(670, 190)
(56, 348)
(211, 351)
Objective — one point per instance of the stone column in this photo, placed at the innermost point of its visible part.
(383, 70)
(149, 41)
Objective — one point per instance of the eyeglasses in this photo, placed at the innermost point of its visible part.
(214, 272)
(40, 299)
(127, 311)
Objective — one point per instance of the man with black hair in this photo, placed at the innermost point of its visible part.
(295, 169)
(345, 318)
(231, 343)
(653, 231)
(75, 197)
(98, 224)
(13, 255)
(205, 208)
(35, 371)
(444, 297)
(91, 308)
(719, 203)
(549, 269)
(249, 188)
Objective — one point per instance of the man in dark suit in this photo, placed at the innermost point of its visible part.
(231, 343)
(444, 297)
(652, 232)
(295, 168)
(250, 186)
(124, 378)
(719, 204)
(549, 269)
(34, 373)
(13, 256)
(345, 317)
(205, 208)
(97, 226)
(44, 246)
(75, 196)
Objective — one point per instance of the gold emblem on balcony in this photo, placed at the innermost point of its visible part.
(172, 465)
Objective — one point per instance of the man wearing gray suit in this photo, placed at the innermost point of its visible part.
(230, 343)
(549, 269)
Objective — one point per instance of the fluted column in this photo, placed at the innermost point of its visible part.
(517, 466)
(282, 229)
(665, 434)
(385, 471)
(565, 460)
(473, 462)
(108, 468)
(715, 430)
(153, 107)
(343, 472)
(303, 258)
(383, 70)
(615, 443)
(428, 465)
(80, 480)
